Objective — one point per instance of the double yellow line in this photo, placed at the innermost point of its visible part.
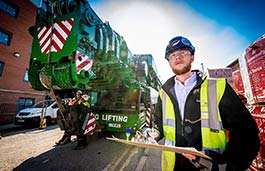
(114, 164)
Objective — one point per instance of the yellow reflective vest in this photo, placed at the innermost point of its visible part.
(87, 104)
(213, 134)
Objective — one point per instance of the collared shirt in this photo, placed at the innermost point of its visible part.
(182, 91)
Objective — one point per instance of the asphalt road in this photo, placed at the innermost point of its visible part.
(33, 149)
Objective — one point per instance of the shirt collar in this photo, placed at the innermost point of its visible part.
(188, 82)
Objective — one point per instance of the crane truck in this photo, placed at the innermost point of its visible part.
(73, 49)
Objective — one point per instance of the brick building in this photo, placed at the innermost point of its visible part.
(16, 17)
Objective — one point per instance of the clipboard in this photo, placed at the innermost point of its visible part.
(175, 149)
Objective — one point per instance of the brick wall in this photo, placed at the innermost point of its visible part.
(12, 85)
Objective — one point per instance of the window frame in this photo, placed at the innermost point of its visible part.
(11, 5)
(2, 65)
(26, 75)
(21, 106)
(9, 34)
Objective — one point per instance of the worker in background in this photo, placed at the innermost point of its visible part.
(77, 99)
(83, 109)
(70, 118)
(195, 111)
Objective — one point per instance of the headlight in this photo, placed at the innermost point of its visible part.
(36, 112)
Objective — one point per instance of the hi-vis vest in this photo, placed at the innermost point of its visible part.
(213, 133)
(75, 101)
(86, 104)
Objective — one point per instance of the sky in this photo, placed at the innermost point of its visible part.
(220, 30)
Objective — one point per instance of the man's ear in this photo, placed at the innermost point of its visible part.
(192, 58)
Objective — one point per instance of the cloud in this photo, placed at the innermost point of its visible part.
(147, 28)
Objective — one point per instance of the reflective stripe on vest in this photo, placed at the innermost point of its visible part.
(213, 134)
(169, 127)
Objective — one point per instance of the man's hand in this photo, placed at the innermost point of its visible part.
(199, 162)
(189, 156)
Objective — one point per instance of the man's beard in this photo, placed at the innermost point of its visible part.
(186, 69)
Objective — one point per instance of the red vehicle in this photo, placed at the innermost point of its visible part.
(248, 80)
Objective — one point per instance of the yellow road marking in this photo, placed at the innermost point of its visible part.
(126, 163)
(111, 166)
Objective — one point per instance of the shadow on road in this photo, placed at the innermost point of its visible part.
(17, 129)
(98, 154)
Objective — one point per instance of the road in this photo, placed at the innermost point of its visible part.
(33, 149)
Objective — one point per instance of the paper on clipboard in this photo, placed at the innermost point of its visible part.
(179, 150)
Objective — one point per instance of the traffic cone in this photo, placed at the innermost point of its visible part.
(43, 123)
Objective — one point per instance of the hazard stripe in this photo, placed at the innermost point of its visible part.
(77, 61)
(43, 32)
(46, 33)
(59, 38)
(88, 67)
(148, 117)
(46, 50)
(83, 64)
(55, 47)
(52, 38)
(63, 28)
(91, 125)
(70, 21)
(92, 120)
(46, 43)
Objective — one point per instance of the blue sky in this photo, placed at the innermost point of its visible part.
(245, 16)
(220, 30)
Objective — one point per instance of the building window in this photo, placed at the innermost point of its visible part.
(9, 8)
(5, 37)
(26, 76)
(25, 103)
(1, 67)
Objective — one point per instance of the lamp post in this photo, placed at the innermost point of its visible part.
(202, 67)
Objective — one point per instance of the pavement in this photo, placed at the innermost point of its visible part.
(149, 161)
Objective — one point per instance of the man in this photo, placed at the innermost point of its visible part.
(82, 110)
(194, 111)
(77, 99)
(70, 118)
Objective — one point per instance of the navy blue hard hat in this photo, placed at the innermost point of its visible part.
(179, 42)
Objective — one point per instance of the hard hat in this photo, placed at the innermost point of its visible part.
(85, 97)
(79, 92)
(179, 42)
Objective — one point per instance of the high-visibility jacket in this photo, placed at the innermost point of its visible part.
(87, 104)
(75, 101)
(213, 133)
